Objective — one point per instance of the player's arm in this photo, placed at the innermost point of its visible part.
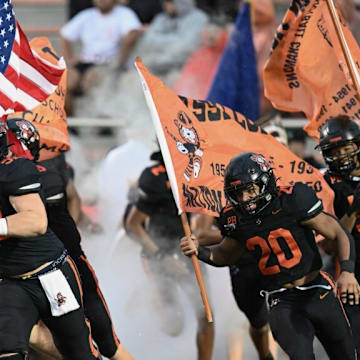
(205, 232)
(73, 201)
(30, 218)
(135, 228)
(348, 220)
(331, 229)
(224, 254)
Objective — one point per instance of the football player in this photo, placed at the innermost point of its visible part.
(60, 194)
(154, 222)
(39, 279)
(339, 144)
(276, 227)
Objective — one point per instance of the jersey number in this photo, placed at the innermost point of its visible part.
(273, 246)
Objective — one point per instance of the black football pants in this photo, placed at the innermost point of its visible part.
(297, 316)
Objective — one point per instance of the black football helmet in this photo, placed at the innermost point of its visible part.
(27, 133)
(243, 171)
(338, 131)
(4, 147)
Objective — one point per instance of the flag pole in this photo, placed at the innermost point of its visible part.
(196, 266)
(345, 48)
(173, 182)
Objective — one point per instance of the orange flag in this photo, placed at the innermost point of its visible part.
(198, 139)
(49, 117)
(307, 70)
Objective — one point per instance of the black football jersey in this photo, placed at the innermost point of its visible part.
(54, 176)
(344, 195)
(156, 200)
(19, 177)
(283, 248)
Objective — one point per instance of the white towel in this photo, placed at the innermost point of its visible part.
(59, 293)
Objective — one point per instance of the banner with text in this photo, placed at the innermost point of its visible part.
(307, 70)
(198, 139)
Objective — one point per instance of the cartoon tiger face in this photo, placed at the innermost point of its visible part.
(189, 134)
(186, 129)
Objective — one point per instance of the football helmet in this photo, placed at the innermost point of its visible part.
(27, 133)
(243, 171)
(339, 131)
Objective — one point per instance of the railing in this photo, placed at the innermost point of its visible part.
(94, 122)
(115, 123)
(41, 30)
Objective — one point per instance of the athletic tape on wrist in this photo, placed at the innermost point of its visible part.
(3, 227)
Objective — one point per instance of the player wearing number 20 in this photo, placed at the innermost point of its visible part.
(276, 227)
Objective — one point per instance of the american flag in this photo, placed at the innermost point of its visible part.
(25, 78)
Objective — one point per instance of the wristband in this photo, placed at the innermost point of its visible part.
(204, 254)
(3, 227)
(347, 265)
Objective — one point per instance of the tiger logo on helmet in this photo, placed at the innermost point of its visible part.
(27, 131)
(264, 165)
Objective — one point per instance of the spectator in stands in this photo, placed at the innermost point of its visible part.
(351, 15)
(229, 8)
(107, 34)
(172, 36)
(145, 10)
(164, 48)
(199, 70)
(75, 6)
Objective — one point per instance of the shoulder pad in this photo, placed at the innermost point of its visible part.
(304, 201)
(20, 177)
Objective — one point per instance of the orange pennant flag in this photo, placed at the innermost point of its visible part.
(307, 69)
(49, 117)
(198, 139)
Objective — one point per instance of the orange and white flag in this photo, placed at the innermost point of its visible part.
(307, 70)
(198, 139)
(49, 117)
